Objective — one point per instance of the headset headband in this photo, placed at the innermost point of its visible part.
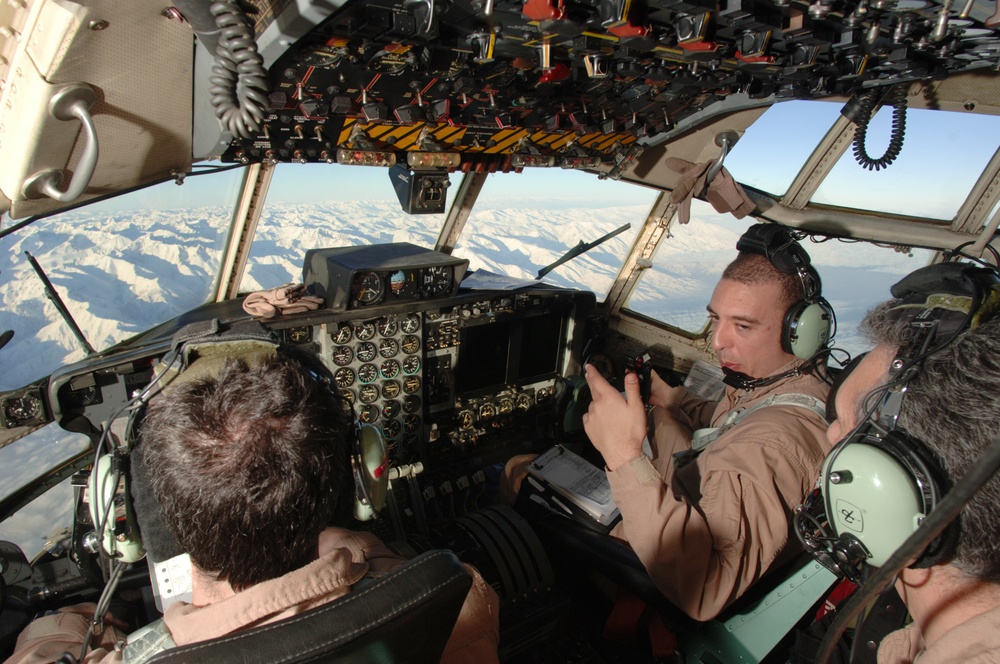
(781, 247)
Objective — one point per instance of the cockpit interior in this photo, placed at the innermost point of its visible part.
(487, 195)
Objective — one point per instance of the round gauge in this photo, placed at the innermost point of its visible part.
(298, 335)
(436, 280)
(411, 423)
(411, 323)
(487, 410)
(23, 410)
(411, 404)
(523, 402)
(366, 351)
(390, 389)
(465, 419)
(368, 414)
(344, 377)
(411, 385)
(390, 62)
(342, 355)
(410, 344)
(364, 331)
(403, 284)
(411, 365)
(349, 396)
(322, 55)
(390, 409)
(390, 369)
(367, 373)
(343, 334)
(388, 347)
(391, 428)
(367, 393)
(387, 326)
(505, 407)
(367, 288)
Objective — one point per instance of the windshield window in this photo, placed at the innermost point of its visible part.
(688, 264)
(908, 186)
(523, 222)
(20, 463)
(772, 150)
(120, 267)
(312, 206)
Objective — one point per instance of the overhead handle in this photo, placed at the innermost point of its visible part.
(725, 140)
(72, 101)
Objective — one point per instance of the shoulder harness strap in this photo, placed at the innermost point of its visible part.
(143, 643)
(702, 437)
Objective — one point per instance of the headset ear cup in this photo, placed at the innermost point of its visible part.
(806, 328)
(109, 509)
(370, 462)
(916, 455)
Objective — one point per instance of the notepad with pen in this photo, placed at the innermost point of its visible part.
(569, 484)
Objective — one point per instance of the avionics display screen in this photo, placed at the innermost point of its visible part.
(483, 359)
(541, 338)
(507, 352)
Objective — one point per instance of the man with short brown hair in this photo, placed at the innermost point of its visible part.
(708, 508)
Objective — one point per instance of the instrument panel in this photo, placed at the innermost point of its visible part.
(466, 376)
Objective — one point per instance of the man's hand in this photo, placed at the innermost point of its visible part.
(660, 393)
(615, 426)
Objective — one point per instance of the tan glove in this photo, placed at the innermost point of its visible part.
(723, 192)
(726, 195)
(691, 184)
(281, 301)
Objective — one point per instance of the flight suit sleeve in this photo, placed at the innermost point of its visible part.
(45, 639)
(715, 528)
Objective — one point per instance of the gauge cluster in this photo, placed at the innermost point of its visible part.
(351, 278)
(372, 287)
(377, 365)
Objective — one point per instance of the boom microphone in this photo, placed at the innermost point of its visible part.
(744, 382)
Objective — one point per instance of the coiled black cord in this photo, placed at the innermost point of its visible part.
(859, 110)
(238, 86)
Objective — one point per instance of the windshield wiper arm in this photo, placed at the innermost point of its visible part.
(51, 293)
(581, 248)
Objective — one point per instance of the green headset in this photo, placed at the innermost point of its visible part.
(808, 323)
(879, 483)
(198, 351)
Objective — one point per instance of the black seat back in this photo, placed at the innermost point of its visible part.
(406, 616)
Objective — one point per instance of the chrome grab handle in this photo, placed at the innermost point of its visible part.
(725, 140)
(73, 101)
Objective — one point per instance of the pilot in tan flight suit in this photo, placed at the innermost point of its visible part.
(708, 509)
(245, 465)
